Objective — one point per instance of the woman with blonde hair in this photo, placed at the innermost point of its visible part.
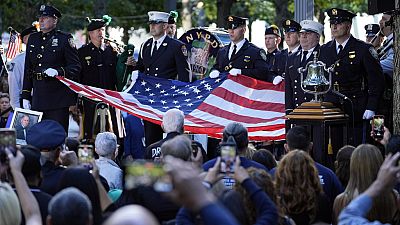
(10, 210)
(299, 189)
(364, 166)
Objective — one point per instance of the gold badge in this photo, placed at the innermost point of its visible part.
(184, 50)
(230, 19)
(334, 12)
(226, 68)
(263, 55)
(287, 22)
(87, 58)
(71, 42)
(369, 27)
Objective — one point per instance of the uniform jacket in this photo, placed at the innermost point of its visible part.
(56, 50)
(277, 61)
(250, 59)
(98, 66)
(154, 150)
(169, 60)
(357, 74)
(294, 95)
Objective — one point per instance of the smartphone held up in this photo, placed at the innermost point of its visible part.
(378, 126)
(8, 138)
(228, 155)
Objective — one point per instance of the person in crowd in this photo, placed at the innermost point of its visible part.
(16, 70)
(50, 53)
(10, 210)
(132, 215)
(98, 61)
(299, 138)
(372, 33)
(241, 56)
(342, 164)
(240, 135)
(163, 57)
(356, 212)
(134, 141)
(22, 127)
(75, 123)
(357, 74)
(5, 109)
(31, 170)
(301, 197)
(364, 167)
(48, 136)
(310, 34)
(173, 17)
(70, 206)
(29, 205)
(107, 148)
(265, 157)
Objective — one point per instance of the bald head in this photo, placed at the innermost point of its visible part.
(132, 215)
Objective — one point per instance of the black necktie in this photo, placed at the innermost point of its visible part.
(340, 47)
(304, 59)
(234, 51)
(154, 48)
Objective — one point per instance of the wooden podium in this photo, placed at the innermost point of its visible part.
(320, 118)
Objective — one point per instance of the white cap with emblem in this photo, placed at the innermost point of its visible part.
(158, 17)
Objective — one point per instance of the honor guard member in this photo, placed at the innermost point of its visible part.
(386, 56)
(310, 34)
(50, 53)
(291, 30)
(373, 35)
(163, 57)
(98, 62)
(275, 59)
(16, 69)
(357, 73)
(241, 56)
(173, 17)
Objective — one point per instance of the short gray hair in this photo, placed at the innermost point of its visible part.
(179, 147)
(70, 206)
(173, 120)
(106, 143)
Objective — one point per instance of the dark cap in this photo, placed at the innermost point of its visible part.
(95, 24)
(291, 26)
(173, 16)
(47, 134)
(233, 22)
(337, 16)
(31, 165)
(371, 29)
(48, 10)
(28, 30)
(273, 29)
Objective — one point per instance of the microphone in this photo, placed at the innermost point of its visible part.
(339, 94)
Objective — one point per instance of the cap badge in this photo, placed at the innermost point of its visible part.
(287, 22)
(230, 18)
(42, 7)
(334, 12)
(369, 27)
(275, 31)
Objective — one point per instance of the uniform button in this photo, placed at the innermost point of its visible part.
(155, 74)
(44, 38)
(42, 47)
(305, 98)
(337, 64)
(295, 92)
(337, 73)
(245, 67)
(351, 62)
(40, 64)
(354, 96)
(295, 86)
(156, 68)
(297, 105)
(295, 99)
(295, 81)
(148, 69)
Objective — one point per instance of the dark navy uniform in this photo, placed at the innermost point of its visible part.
(98, 70)
(277, 61)
(249, 59)
(56, 50)
(357, 75)
(294, 95)
(168, 61)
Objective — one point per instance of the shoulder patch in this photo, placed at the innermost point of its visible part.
(184, 50)
(263, 54)
(373, 53)
(71, 42)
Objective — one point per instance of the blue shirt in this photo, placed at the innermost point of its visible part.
(246, 163)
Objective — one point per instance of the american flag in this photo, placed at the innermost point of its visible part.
(13, 45)
(208, 104)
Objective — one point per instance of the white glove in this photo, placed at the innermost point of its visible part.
(51, 72)
(26, 104)
(368, 114)
(214, 74)
(277, 80)
(235, 72)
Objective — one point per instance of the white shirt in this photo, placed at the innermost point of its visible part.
(238, 47)
(310, 51)
(294, 50)
(159, 42)
(343, 44)
(16, 78)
